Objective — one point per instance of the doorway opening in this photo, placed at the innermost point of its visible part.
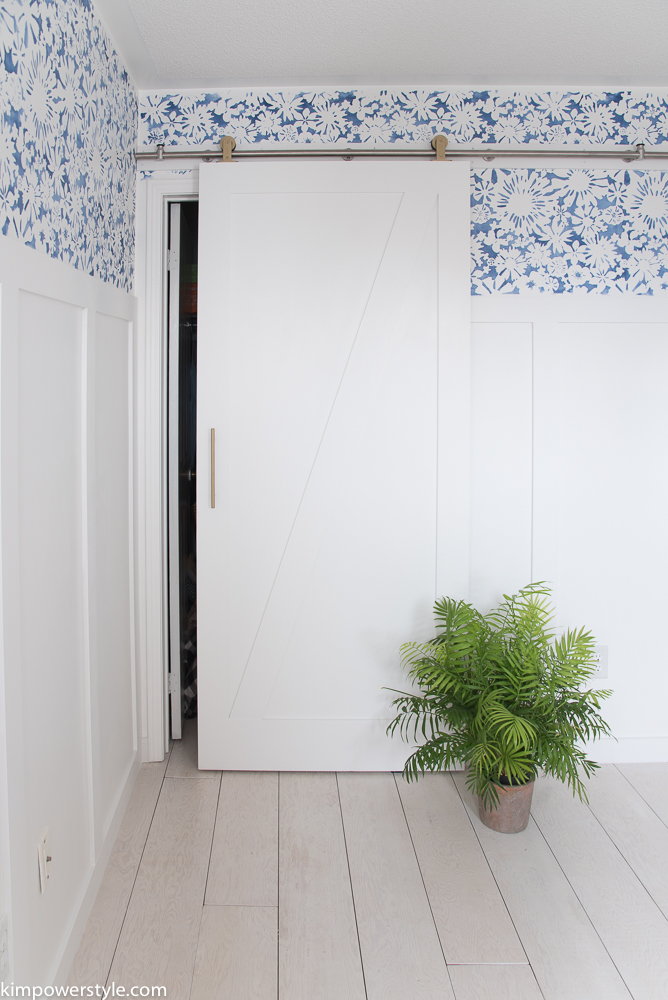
(182, 460)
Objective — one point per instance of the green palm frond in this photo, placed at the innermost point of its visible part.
(503, 693)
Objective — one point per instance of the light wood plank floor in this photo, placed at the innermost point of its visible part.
(248, 886)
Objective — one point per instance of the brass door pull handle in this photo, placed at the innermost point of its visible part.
(213, 467)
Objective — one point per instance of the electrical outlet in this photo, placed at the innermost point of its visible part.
(601, 655)
(4, 947)
(44, 860)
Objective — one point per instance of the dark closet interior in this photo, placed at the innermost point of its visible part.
(187, 467)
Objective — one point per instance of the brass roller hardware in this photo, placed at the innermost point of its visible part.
(439, 143)
(227, 144)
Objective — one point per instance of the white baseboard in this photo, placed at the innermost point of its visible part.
(64, 961)
(630, 750)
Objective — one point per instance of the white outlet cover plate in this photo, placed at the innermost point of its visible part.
(602, 655)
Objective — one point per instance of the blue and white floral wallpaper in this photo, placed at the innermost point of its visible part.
(556, 118)
(545, 230)
(68, 130)
(569, 230)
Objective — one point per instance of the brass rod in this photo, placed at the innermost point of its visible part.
(213, 467)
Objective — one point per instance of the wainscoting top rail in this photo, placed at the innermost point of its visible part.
(229, 152)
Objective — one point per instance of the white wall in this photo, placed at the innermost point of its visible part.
(570, 483)
(69, 725)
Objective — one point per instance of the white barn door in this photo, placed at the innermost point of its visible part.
(333, 365)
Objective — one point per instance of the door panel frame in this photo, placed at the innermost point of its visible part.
(154, 193)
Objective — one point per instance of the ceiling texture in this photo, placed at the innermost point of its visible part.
(322, 43)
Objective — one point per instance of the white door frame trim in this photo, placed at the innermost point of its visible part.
(154, 193)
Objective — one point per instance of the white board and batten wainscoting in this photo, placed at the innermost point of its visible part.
(569, 483)
(67, 595)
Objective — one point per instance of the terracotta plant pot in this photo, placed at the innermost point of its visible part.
(512, 813)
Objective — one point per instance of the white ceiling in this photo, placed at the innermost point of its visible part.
(309, 43)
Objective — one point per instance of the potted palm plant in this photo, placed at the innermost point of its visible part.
(505, 695)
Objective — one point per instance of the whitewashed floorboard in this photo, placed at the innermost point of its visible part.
(159, 938)
(183, 758)
(628, 921)
(471, 918)
(634, 828)
(401, 952)
(244, 858)
(565, 952)
(93, 959)
(319, 955)
(651, 781)
(494, 982)
(236, 954)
